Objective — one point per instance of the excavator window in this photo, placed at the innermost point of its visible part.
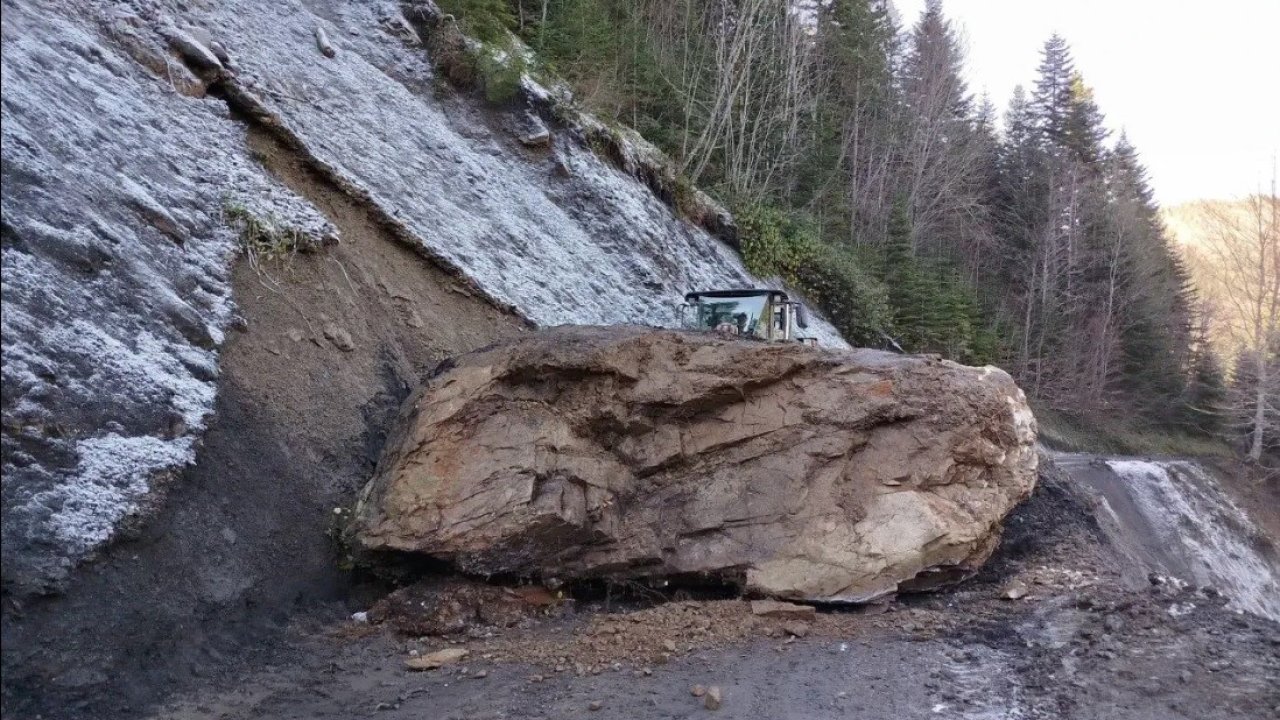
(746, 315)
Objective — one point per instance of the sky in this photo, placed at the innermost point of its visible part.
(1196, 85)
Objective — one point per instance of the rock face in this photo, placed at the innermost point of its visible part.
(801, 473)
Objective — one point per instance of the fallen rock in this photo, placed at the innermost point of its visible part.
(796, 629)
(786, 610)
(193, 51)
(698, 691)
(340, 338)
(1014, 591)
(531, 131)
(322, 43)
(220, 51)
(437, 659)
(624, 452)
(713, 698)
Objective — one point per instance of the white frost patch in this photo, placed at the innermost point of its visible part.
(985, 685)
(114, 474)
(1190, 512)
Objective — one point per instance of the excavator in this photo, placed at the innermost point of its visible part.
(755, 313)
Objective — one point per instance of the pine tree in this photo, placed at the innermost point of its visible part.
(1206, 408)
(1156, 324)
(1083, 132)
(1051, 99)
(846, 181)
(908, 293)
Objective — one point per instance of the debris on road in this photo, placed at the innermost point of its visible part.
(437, 659)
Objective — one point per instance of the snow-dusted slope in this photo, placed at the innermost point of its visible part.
(115, 280)
(565, 237)
(116, 255)
(1207, 537)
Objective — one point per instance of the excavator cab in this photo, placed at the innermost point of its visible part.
(760, 314)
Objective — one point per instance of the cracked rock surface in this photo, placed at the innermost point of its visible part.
(800, 473)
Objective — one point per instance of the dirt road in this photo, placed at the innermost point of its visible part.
(1083, 643)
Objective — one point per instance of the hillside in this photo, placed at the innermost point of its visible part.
(240, 236)
(222, 275)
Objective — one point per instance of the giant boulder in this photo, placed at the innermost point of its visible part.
(626, 452)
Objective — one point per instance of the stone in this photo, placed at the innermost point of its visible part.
(340, 338)
(796, 629)
(323, 44)
(1014, 591)
(625, 452)
(713, 698)
(445, 606)
(531, 131)
(437, 659)
(595, 705)
(193, 51)
(698, 690)
(776, 609)
(220, 51)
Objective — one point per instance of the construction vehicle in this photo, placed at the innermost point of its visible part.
(755, 313)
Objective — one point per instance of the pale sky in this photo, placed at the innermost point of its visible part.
(1196, 84)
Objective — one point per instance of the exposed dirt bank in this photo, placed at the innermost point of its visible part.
(330, 345)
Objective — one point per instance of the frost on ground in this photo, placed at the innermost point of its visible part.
(983, 686)
(117, 172)
(115, 278)
(1196, 520)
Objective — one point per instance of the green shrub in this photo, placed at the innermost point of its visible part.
(500, 72)
(486, 20)
(774, 244)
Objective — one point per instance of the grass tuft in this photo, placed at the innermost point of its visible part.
(264, 238)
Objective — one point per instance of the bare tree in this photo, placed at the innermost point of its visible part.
(1241, 263)
(747, 79)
